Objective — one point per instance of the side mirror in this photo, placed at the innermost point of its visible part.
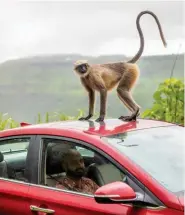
(115, 192)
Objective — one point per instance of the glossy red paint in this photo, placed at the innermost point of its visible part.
(22, 124)
(103, 131)
(108, 127)
(122, 191)
(14, 197)
(165, 211)
(74, 204)
(182, 201)
(92, 132)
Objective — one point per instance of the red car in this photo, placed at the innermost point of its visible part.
(137, 165)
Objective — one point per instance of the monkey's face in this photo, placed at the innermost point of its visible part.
(82, 69)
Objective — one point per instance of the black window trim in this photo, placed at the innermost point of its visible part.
(101, 152)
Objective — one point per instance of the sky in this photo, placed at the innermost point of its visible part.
(30, 28)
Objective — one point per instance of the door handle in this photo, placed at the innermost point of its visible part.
(44, 210)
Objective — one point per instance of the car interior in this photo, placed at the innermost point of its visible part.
(99, 169)
(13, 167)
(3, 167)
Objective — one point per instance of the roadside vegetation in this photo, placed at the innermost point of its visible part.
(168, 106)
(168, 102)
(7, 122)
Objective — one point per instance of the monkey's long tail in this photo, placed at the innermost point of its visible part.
(139, 53)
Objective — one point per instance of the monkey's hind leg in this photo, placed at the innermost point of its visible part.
(123, 90)
(129, 102)
(130, 108)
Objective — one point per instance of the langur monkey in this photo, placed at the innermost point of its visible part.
(104, 77)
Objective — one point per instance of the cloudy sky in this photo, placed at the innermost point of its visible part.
(87, 27)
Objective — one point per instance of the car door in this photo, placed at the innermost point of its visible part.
(13, 197)
(51, 200)
(13, 184)
(45, 199)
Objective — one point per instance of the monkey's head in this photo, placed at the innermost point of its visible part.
(81, 67)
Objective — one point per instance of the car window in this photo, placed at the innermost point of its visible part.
(14, 145)
(85, 152)
(13, 154)
(98, 170)
(159, 151)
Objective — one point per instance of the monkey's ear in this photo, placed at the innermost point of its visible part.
(87, 65)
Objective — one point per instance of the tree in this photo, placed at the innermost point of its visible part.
(168, 102)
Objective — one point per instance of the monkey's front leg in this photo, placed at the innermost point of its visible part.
(91, 94)
(103, 100)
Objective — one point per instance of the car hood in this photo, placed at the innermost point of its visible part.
(181, 200)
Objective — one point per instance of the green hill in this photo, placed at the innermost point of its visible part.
(48, 83)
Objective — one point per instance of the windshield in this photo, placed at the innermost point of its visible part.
(159, 151)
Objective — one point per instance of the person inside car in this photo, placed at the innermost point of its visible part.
(74, 180)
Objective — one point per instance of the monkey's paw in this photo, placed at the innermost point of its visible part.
(100, 119)
(123, 117)
(85, 118)
(133, 117)
(130, 118)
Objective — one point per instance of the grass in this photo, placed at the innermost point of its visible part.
(7, 122)
(57, 116)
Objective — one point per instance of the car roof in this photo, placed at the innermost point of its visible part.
(91, 127)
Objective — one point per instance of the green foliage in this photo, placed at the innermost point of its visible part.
(7, 122)
(168, 102)
(57, 116)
